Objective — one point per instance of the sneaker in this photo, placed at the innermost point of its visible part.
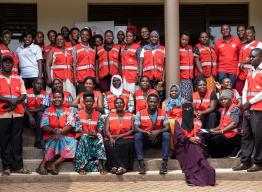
(163, 169)
(142, 167)
(235, 153)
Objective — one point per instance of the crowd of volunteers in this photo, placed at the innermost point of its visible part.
(101, 101)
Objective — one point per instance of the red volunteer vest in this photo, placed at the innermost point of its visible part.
(129, 63)
(254, 87)
(96, 95)
(153, 66)
(186, 62)
(225, 120)
(141, 101)
(88, 124)
(12, 90)
(195, 131)
(62, 64)
(5, 51)
(111, 99)
(146, 123)
(208, 61)
(108, 61)
(66, 95)
(244, 56)
(116, 127)
(201, 104)
(34, 101)
(55, 122)
(85, 62)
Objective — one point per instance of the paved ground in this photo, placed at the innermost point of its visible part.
(149, 186)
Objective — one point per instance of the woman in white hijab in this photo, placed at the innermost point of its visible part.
(117, 90)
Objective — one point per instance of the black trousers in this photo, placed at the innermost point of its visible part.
(11, 130)
(209, 121)
(252, 138)
(29, 82)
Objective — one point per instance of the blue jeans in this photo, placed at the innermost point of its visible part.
(141, 139)
(222, 75)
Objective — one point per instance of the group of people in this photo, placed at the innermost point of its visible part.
(102, 103)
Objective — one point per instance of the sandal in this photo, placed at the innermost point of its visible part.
(41, 170)
(121, 171)
(23, 171)
(101, 168)
(53, 171)
(6, 172)
(114, 170)
(82, 172)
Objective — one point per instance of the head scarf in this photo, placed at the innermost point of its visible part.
(171, 103)
(187, 116)
(115, 91)
(227, 93)
(152, 46)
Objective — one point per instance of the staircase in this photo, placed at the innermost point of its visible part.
(33, 156)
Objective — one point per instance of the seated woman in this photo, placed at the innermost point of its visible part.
(225, 138)
(117, 91)
(89, 84)
(227, 84)
(90, 153)
(205, 102)
(172, 106)
(141, 94)
(119, 142)
(189, 150)
(57, 122)
(57, 85)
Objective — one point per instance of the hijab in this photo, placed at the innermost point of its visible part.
(152, 46)
(187, 116)
(116, 91)
(171, 103)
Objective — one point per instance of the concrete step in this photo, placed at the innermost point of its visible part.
(221, 174)
(151, 164)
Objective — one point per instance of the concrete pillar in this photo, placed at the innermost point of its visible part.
(172, 42)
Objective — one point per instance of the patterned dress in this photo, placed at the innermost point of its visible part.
(90, 150)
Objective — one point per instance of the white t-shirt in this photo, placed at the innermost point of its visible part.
(28, 58)
(142, 54)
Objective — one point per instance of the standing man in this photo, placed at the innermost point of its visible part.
(12, 95)
(227, 49)
(252, 123)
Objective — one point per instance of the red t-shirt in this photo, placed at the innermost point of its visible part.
(227, 53)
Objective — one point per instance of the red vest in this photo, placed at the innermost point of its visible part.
(108, 61)
(66, 95)
(130, 63)
(244, 56)
(47, 48)
(62, 64)
(85, 62)
(186, 63)
(12, 90)
(5, 51)
(225, 120)
(34, 101)
(141, 101)
(116, 127)
(55, 122)
(111, 99)
(146, 123)
(88, 124)
(254, 87)
(208, 61)
(195, 131)
(201, 104)
(96, 95)
(175, 113)
(153, 66)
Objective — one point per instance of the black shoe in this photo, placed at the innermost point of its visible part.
(242, 166)
(163, 169)
(254, 168)
(235, 153)
(142, 167)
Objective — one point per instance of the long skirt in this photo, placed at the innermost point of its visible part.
(121, 155)
(89, 151)
(186, 87)
(64, 147)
